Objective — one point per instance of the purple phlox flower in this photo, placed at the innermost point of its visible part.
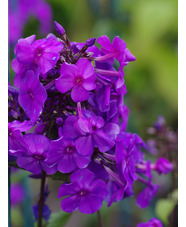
(19, 67)
(15, 139)
(162, 166)
(45, 212)
(44, 52)
(84, 193)
(128, 154)
(93, 135)
(117, 185)
(160, 123)
(116, 49)
(20, 70)
(16, 194)
(153, 222)
(151, 146)
(37, 155)
(80, 78)
(64, 153)
(145, 196)
(32, 95)
(24, 50)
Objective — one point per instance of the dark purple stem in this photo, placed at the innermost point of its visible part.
(99, 219)
(41, 199)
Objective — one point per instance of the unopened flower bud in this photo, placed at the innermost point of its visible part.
(90, 42)
(59, 29)
(59, 121)
(162, 165)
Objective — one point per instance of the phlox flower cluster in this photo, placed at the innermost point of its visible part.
(67, 114)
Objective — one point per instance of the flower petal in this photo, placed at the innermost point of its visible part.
(102, 141)
(70, 204)
(85, 68)
(89, 204)
(79, 94)
(84, 145)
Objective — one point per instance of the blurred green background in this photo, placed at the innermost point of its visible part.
(150, 30)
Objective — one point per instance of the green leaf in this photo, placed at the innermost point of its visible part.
(164, 208)
(58, 219)
(16, 217)
(60, 176)
(174, 195)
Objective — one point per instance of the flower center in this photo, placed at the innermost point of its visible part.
(94, 128)
(10, 132)
(70, 149)
(39, 52)
(38, 157)
(83, 192)
(79, 80)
